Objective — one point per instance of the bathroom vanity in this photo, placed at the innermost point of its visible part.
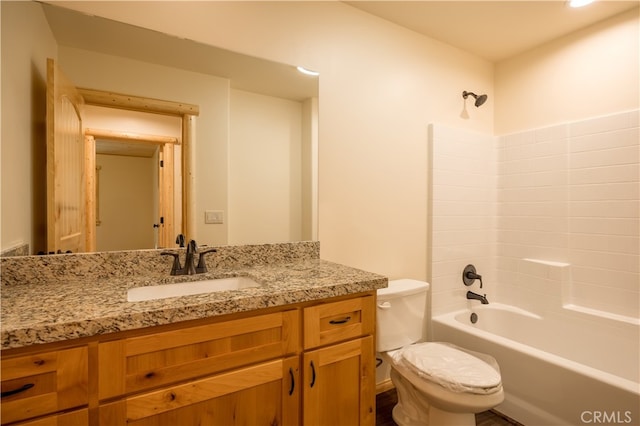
(298, 349)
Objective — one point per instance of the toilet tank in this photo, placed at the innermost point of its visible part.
(400, 313)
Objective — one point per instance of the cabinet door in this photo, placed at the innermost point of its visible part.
(339, 384)
(44, 383)
(263, 394)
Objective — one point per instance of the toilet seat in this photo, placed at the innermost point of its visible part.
(451, 367)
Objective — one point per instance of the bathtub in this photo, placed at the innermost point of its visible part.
(568, 368)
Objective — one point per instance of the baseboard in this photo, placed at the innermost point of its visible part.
(384, 386)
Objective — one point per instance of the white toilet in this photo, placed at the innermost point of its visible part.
(437, 383)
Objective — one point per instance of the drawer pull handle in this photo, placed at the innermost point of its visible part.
(293, 381)
(313, 375)
(340, 321)
(16, 391)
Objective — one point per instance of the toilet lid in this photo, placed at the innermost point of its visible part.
(450, 367)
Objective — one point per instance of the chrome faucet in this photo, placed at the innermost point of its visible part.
(474, 296)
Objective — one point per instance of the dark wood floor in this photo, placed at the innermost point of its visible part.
(386, 400)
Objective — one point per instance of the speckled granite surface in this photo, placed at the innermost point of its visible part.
(19, 250)
(51, 298)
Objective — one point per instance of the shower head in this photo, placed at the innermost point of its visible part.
(480, 99)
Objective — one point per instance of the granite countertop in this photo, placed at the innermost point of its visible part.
(51, 310)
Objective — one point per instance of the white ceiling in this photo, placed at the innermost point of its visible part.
(493, 30)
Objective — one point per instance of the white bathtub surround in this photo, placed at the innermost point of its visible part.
(557, 235)
(555, 369)
(569, 194)
(538, 286)
(464, 209)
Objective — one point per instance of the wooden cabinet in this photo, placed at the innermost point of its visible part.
(44, 383)
(310, 364)
(339, 378)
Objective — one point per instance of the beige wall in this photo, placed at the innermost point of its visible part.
(26, 44)
(265, 165)
(126, 200)
(309, 170)
(590, 73)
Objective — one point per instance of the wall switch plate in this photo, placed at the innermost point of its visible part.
(213, 216)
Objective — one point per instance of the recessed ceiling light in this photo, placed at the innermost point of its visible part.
(303, 70)
(579, 3)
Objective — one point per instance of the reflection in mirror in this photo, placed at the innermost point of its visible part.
(130, 161)
(253, 163)
(126, 188)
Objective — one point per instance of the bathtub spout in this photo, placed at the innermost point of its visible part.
(473, 296)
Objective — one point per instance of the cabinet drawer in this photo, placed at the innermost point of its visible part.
(337, 321)
(35, 385)
(145, 362)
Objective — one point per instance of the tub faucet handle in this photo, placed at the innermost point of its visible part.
(473, 276)
(469, 275)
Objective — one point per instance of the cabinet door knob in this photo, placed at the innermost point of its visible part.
(293, 381)
(313, 375)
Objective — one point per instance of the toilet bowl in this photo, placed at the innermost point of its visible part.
(437, 383)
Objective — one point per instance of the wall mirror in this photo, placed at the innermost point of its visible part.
(249, 175)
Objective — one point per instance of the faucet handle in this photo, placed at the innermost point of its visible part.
(189, 265)
(469, 275)
(176, 268)
(202, 266)
(180, 240)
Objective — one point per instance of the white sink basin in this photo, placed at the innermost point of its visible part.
(139, 294)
